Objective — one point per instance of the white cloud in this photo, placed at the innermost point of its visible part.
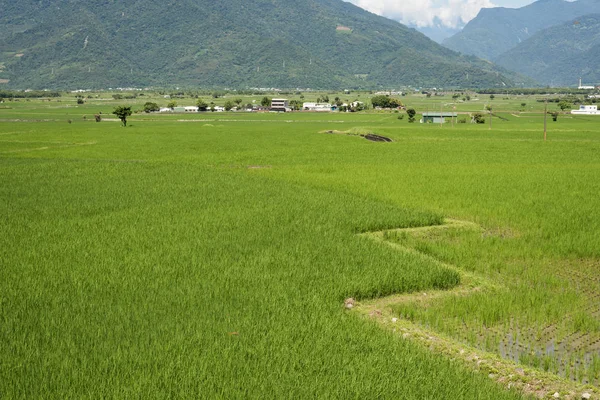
(422, 13)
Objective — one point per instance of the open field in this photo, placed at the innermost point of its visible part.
(210, 255)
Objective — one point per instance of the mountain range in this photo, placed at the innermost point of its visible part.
(497, 30)
(555, 42)
(259, 43)
(560, 55)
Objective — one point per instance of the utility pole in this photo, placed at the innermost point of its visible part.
(545, 117)
(441, 116)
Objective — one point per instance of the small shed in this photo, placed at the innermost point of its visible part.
(437, 117)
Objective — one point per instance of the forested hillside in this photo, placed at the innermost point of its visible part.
(261, 43)
(497, 30)
(560, 55)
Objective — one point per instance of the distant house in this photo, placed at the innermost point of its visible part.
(165, 109)
(279, 105)
(437, 117)
(316, 107)
(191, 109)
(586, 110)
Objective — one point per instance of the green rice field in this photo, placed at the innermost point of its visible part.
(210, 255)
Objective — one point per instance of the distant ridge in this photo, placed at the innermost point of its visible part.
(560, 55)
(497, 30)
(235, 43)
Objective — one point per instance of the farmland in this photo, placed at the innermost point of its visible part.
(210, 255)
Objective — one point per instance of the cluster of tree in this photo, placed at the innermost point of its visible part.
(128, 96)
(150, 107)
(34, 94)
(384, 101)
(533, 91)
(295, 105)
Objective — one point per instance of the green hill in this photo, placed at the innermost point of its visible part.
(560, 55)
(262, 43)
(497, 30)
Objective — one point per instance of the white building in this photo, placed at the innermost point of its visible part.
(191, 109)
(316, 107)
(585, 87)
(279, 105)
(586, 110)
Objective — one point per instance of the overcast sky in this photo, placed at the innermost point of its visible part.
(451, 13)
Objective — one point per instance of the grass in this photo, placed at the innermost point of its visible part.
(212, 258)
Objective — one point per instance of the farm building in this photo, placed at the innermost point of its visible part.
(586, 110)
(279, 105)
(437, 117)
(316, 107)
(585, 87)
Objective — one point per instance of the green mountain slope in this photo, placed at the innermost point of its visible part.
(560, 55)
(262, 43)
(497, 30)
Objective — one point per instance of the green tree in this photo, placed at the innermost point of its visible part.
(492, 97)
(265, 102)
(202, 105)
(123, 112)
(229, 105)
(523, 105)
(80, 100)
(564, 105)
(150, 107)
(238, 101)
(296, 105)
(411, 114)
(478, 118)
(172, 104)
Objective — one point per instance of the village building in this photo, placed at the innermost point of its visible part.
(321, 107)
(585, 87)
(437, 117)
(586, 110)
(280, 105)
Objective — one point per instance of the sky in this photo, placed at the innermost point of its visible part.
(423, 13)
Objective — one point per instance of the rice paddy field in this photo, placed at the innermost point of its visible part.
(260, 255)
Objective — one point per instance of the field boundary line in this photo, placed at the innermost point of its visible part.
(507, 373)
(48, 148)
